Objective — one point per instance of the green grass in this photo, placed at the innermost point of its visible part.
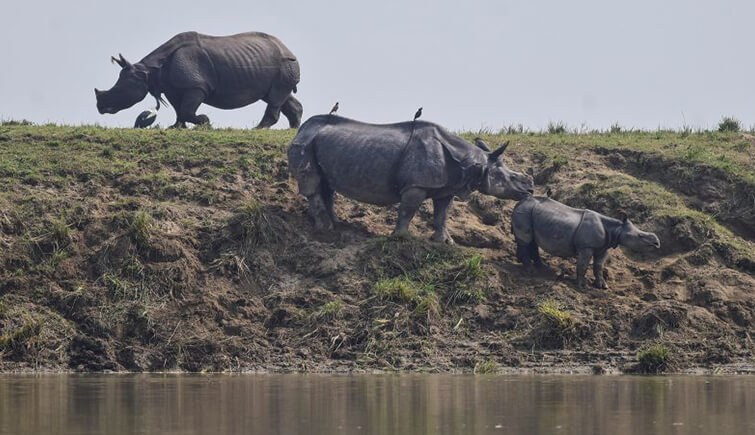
(654, 358)
(140, 228)
(419, 297)
(416, 267)
(487, 367)
(554, 316)
(330, 310)
(695, 147)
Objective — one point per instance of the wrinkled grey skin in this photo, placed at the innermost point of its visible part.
(402, 163)
(569, 232)
(226, 72)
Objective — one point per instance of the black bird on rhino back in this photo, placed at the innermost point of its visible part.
(406, 163)
(227, 72)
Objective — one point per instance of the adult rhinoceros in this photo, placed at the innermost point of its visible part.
(226, 72)
(384, 164)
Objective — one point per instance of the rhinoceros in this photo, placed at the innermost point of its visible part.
(227, 72)
(402, 163)
(563, 231)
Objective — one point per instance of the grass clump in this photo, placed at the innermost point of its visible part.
(140, 228)
(729, 124)
(556, 127)
(555, 327)
(551, 314)
(560, 161)
(118, 287)
(15, 338)
(654, 358)
(330, 310)
(256, 226)
(487, 367)
(419, 297)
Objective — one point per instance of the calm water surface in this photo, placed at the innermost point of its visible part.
(369, 404)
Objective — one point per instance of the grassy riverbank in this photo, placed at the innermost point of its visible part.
(190, 250)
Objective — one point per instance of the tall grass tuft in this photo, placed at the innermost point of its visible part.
(556, 127)
(729, 124)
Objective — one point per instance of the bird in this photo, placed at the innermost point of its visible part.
(334, 109)
(146, 118)
(418, 114)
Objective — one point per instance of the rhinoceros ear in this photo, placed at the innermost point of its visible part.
(121, 61)
(622, 215)
(497, 153)
(481, 144)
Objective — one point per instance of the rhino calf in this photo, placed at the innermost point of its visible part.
(564, 231)
(404, 163)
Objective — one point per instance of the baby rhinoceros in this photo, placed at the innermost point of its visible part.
(566, 232)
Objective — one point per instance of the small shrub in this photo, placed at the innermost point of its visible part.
(654, 359)
(729, 124)
(556, 127)
(488, 367)
(615, 128)
(552, 315)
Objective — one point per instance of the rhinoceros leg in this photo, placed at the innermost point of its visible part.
(440, 214)
(271, 116)
(319, 213)
(597, 268)
(175, 101)
(411, 199)
(187, 111)
(328, 198)
(583, 261)
(292, 110)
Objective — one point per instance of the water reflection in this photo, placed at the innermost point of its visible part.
(428, 404)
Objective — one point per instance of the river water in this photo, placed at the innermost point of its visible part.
(375, 404)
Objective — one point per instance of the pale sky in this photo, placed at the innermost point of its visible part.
(471, 64)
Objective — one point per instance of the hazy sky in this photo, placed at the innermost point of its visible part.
(471, 64)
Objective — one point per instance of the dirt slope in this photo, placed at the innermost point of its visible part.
(190, 250)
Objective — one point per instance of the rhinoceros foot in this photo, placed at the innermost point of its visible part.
(601, 284)
(442, 237)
